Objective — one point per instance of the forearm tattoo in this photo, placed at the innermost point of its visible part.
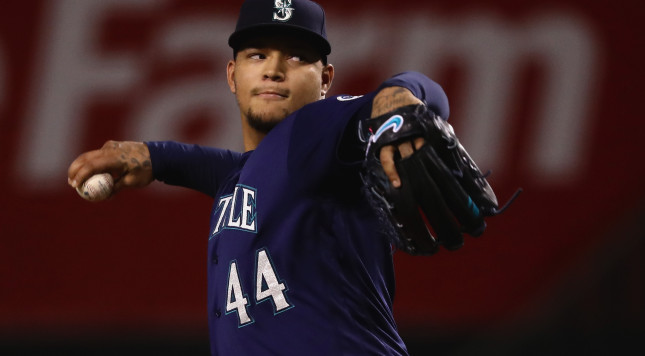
(392, 98)
(135, 156)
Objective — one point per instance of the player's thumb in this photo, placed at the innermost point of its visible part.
(139, 179)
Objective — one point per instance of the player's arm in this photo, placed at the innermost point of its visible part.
(406, 88)
(387, 100)
(192, 166)
(128, 162)
(137, 164)
(417, 174)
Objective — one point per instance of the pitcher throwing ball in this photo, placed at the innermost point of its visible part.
(304, 222)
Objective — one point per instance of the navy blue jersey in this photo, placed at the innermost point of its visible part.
(297, 262)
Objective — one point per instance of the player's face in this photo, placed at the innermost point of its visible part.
(273, 77)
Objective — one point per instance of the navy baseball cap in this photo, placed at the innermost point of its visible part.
(301, 17)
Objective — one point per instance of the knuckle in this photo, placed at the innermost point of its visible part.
(110, 144)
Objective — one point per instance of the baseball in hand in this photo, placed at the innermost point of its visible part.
(97, 187)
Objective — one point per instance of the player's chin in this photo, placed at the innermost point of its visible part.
(265, 121)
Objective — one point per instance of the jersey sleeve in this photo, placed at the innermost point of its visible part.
(191, 166)
(317, 143)
(332, 125)
(352, 149)
(423, 88)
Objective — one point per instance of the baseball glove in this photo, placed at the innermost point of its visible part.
(443, 194)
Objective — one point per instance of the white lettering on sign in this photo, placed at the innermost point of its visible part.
(491, 51)
(162, 111)
(71, 70)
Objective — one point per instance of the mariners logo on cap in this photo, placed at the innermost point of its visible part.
(284, 11)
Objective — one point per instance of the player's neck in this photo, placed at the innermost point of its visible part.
(251, 137)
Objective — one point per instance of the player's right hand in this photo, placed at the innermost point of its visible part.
(128, 162)
(387, 100)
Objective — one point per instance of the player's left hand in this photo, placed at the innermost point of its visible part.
(441, 193)
(388, 154)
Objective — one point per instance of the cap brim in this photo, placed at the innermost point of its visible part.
(239, 37)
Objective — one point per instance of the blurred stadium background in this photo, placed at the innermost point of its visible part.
(548, 95)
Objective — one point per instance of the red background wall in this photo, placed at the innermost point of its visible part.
(547, 95)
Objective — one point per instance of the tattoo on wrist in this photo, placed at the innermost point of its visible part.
(394, 98)
(135, 158)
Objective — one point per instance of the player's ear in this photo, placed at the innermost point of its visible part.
(327, 77)
(230, 75)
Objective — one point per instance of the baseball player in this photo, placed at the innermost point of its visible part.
(298, 262)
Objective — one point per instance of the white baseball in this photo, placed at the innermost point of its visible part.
(97, 187)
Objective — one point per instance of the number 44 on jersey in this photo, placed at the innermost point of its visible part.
(267, 287)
